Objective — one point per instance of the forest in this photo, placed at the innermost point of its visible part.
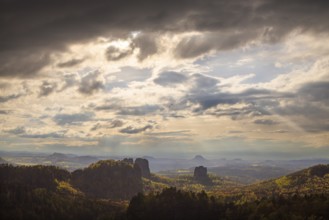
(111, 189)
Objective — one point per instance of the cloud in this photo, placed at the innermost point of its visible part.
(70, 63)
(133, 130)
(69, 81)
(45, 135)
(127, 75)
(194, 46)
(16, 131)
(47, 88)
(315, 91)
(202, 83)
(122, 108)
(24, 64)
(147, 45)
(265, 122)
(72, 119)
(116, 123)
(138, 110)
(170, 79)
(115, 53)
(113, 124)
(9, 97)
(90, 83)
(31, 37)
(4, 112)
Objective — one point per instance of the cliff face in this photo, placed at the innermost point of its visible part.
(143, 164)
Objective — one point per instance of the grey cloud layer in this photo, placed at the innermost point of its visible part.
(133, 130)
(32, 30)
(67, 119)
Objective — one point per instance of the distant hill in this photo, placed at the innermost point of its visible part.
(248, 174)
(310, 181)
(313, 180)
(199, 158)
(55, 157)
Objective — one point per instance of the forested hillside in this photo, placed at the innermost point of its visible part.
(103, 191)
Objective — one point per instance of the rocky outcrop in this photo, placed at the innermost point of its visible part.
(128, 160)
(201, 175)
(143, 164)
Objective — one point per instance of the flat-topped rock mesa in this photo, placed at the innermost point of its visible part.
(200, 172)
(201, 175)
(143, 164)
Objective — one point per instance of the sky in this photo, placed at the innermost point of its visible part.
(221, 78)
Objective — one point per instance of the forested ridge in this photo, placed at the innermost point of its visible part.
(116, 190)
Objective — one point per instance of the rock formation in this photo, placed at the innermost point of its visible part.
(200, 175)
(128, 160)
(143, 164)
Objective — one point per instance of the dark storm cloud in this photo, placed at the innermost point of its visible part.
(32, 30)
(68, 119)
(47, 88)
(23, 63)
(90, 83)
(70, 63)
(170, 79)
(133, 130)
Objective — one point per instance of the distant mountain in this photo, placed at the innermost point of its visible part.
(57, 157)
(199, 158)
